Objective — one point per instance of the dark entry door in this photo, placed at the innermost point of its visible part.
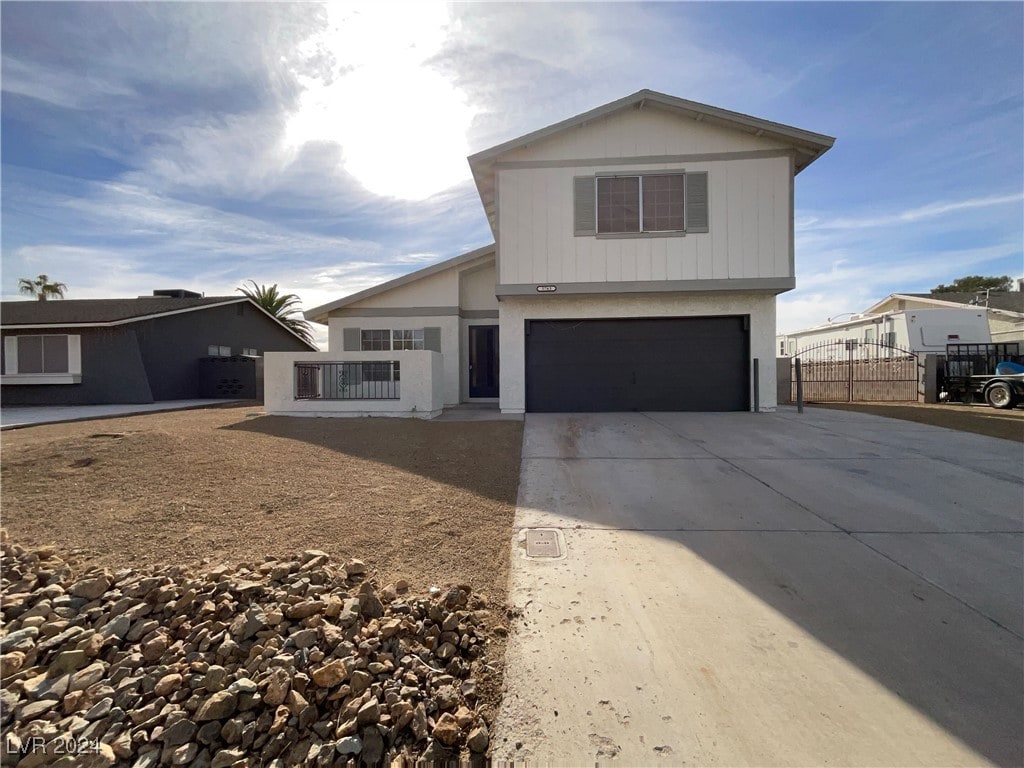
(483, 361)
(649, 364)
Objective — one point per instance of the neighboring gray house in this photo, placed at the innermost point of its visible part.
(639, 249)
(90, 351)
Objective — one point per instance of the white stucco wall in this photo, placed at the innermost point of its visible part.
(420, 387)
(515, 310)
(449, 325)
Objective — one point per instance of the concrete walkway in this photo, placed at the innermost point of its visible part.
(766, 589)
(14, 417)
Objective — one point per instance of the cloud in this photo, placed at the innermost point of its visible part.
(828, 286)
(368, 87)
(531, 64)
(922, 213)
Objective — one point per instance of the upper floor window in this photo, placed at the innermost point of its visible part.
(649, 203)
(639, 204)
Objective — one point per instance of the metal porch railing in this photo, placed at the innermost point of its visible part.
(359, 380)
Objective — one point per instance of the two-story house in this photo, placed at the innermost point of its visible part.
(639, 249)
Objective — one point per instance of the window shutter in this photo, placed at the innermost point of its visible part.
(351, 340)
(432, 339)
(697, 202)
(584, 213)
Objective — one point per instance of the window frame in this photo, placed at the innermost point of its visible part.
(641, 232)
(73, 352)
(413, 336)
(364, 339)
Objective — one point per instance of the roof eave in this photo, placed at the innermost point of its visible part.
(321, 314)
(152, 316)
(942, 303)
(809, 145)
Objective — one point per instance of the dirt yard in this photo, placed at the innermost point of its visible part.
(1009, 425)
(430, 502)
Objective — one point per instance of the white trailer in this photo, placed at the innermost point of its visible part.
(917, 330)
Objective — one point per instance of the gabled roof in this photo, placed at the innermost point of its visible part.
(1001, 301)
(320, 314)
(808, 145)
(98, 313)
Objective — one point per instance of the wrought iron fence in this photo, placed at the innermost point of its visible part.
(359, 380)
(979, 359)
(847, 371)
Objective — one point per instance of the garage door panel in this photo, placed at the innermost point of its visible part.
(666, 364)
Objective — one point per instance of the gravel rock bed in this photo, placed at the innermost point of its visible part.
(278, 663)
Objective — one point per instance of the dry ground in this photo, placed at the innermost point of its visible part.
(431, 502)
(981, 419)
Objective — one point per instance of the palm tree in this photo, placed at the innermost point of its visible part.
(283, 306)
(41, 288)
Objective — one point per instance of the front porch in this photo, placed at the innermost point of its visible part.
(406, 384)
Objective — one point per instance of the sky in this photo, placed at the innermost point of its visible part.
(322, 147)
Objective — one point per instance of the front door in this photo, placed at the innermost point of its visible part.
(483, 361)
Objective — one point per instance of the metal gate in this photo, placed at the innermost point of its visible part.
(849, 370)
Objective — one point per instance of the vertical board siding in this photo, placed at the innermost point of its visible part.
(765, 219)
(749, 235)
(647, 132)
(782, 213)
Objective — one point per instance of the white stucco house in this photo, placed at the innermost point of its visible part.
(638, 252)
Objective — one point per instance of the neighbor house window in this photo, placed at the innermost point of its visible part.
(646, 203)
(43, 359)
(43, 354)
(407, 339)
(376, 340)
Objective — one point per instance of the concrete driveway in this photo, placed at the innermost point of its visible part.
(766, 589)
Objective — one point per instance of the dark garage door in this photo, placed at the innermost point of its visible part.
(655, 364)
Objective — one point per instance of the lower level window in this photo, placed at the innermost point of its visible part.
(375, 341)
(43, 358)
(43, 354)
(215, 350)
(407, 339)
(385, 371)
